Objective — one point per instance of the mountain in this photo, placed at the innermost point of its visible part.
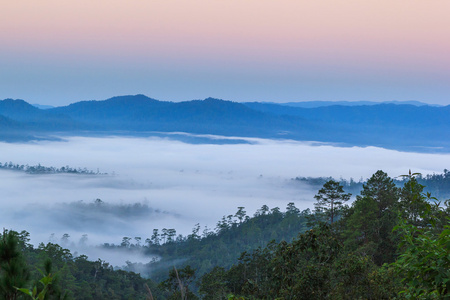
(314, 104)
(19, 110)
(140, 113)
(40, 106)
(382, 125)
(13, 131)
(34, 119)
(397, 126)
(382, 114)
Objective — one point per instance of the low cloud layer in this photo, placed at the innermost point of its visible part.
(162, 183)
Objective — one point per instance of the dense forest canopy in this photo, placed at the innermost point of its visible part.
(391, 242)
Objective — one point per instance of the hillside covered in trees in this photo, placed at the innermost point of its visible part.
(391, 242)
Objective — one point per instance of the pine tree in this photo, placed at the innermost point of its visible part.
(13, 268)
(330, 199)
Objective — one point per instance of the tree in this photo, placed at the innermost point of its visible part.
(373, 216)
(291, 209)
(276, 211)
(13, 269)
(155, 237)
(178, 283)
(65, 239)
(425, 259)
(47, 287)
(207, 232)
(213, 284)
(240, 214)
(164, 235)
(171, 234)
(330, 199)
(83, 240)
(264, 210)
(411, 200)
(195, 231)
(424, 265)
(126, 242)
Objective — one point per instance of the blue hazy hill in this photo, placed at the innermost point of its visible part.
(313, 104)
(399, 126)
(381, 114)
(9, 124)
(212, 116)
(386, 125)
(31, 118)
(19, 110)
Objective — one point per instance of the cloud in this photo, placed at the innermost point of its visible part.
(164, 183)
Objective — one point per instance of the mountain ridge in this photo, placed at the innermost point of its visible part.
(398, 126)
(313, 104)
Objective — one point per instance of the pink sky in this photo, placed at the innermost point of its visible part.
(61, 51)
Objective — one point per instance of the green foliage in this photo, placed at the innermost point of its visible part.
(313, 266)
(14, 271)
(233, 297)
(412, 202)
(51, 283)
(330, 200)
(63, 275)
(177, 285)
(356, 255)
(348, 258)
(213, 284)
(302, 268)
(369, 222)
(424, 264)
(234, 234)
(46, 281)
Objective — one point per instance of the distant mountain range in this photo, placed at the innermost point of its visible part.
(42, 106)
(397, 126)
(313, 104)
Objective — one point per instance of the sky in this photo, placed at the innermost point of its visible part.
(177, 184)
(58, 52)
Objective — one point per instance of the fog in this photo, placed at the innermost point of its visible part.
(163, 183)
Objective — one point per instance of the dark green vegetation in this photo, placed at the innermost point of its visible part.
(38, 169)
(220, 247)
(397, 126)
(62, 276)
(391, 242)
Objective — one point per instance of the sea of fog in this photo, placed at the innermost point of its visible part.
(158, 182)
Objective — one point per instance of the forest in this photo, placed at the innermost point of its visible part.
(391, 242)
(39, 169)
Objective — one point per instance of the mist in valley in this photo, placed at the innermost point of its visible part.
(158, 182)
